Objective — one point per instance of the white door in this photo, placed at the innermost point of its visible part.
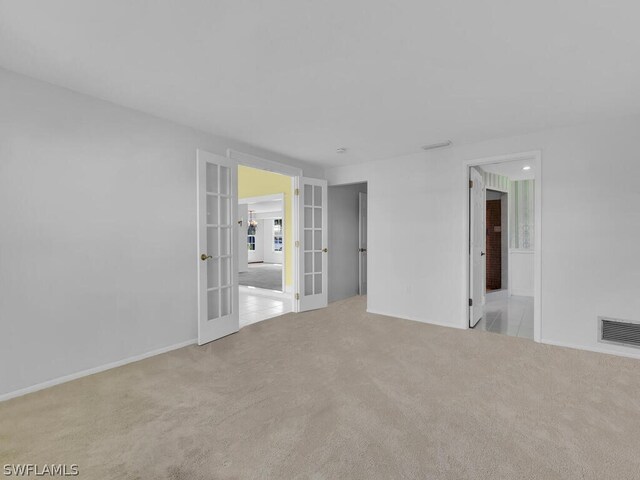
(477, 239)
(313, 244)
(243, 249)
(362, 249)
(217, 180)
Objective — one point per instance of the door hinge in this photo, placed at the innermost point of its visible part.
(297, 296)
(297, 243)
(470, 183)
(471, 302)
(297, 191)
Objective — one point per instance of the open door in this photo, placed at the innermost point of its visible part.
(217, 180)
(243, 250)
(313, 244)
(362, 249)
(477, 239)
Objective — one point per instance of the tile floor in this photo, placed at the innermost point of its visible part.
(511, 316)
(258, 304)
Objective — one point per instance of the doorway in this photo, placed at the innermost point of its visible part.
(503, 257)
(497, 244)
(348, 214)
(265, 270)
(220, 233)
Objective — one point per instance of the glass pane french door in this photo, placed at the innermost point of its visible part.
(313, 241)
(217, 259)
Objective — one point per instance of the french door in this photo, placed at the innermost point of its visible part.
(217, 241)
(314, 248)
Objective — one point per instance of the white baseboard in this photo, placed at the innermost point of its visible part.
(91, 371)
(598, 349)
(587, 348)
(415, 319)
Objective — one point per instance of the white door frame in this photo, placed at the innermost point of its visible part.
(295, 173)
(363, 199)
(535, 159)
(243, 251)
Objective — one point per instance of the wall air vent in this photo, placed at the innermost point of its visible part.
(622, 332)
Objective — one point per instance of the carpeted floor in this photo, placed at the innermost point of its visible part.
(262, 275)
(342, 394)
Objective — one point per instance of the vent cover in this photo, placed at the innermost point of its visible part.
(619, 331)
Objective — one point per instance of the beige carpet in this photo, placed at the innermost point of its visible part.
(341, 394)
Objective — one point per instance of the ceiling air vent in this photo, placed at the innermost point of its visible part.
(622, 332)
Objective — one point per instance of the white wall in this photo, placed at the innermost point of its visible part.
(98, 231)
(243, 253)
(343, 224)
(522, 275)
(590, 228)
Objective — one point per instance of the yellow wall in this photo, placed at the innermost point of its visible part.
(254, 183)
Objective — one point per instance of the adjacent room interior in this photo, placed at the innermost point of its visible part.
(503, 231)
(265, 260)
(263, 266)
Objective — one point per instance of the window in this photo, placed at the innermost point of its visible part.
(277, 235)
(251, 238)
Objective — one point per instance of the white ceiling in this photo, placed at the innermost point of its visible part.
(512, 169)
(304, 77)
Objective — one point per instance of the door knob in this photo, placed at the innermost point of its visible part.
(482, 254)
(204, 257)
(325, 250)
(362, 249)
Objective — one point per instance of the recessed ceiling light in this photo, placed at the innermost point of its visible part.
(341, 150)
(437, 145)
(526, 167)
